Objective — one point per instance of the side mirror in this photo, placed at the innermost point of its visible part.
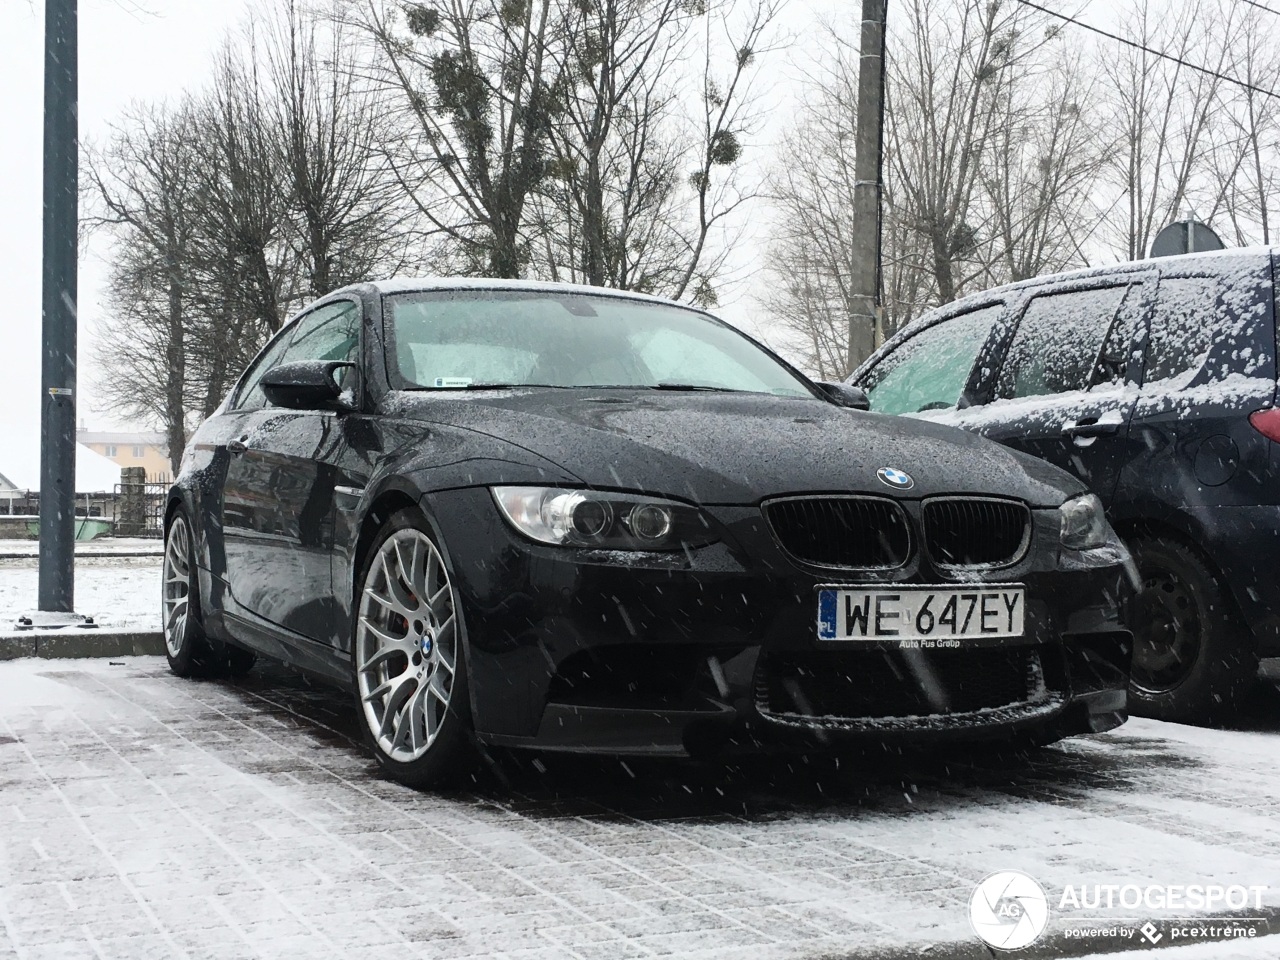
(844, 395)
(305, 385)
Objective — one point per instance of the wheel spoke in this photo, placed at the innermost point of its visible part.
(446, 628)
(413, 723)
(382, 636)
(438, 689)
(175, 586)
(432, 574)
(436, 602)
(446, 659)
(177, 613)
(396, 589)
(391, 707)
(417, 568)
(381, 656)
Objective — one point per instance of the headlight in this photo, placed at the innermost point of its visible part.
(601, 520)
(1084, 524)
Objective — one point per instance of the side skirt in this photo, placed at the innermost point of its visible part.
(316, 659)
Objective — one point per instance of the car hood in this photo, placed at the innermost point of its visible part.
(739, 448)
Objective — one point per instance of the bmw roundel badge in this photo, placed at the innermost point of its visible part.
(895, 478)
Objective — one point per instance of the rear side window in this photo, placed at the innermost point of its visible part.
(1182, 329)
(1059, 340)
(929, 371)
(1213, 326)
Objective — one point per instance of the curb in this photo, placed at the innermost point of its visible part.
(81, 643)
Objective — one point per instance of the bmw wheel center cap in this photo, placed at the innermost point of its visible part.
(895, 478)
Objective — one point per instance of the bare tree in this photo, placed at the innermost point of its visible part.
(1162, 111)
(954, 71)
(259, 193)
(606, 206)
(144, 182)
(1243, 150)
(725, 120)
(478, 92)
(990, 166)
(1039, 172)
(349, 221)
(647, 176)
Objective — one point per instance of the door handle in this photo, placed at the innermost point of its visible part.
(238, 445)
(1085, 427)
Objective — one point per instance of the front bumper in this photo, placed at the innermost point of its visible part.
(715, 649)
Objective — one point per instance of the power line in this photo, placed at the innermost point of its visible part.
(1158, 53)
(1261, 6)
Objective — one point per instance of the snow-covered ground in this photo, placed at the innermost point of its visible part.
(146, 816)
(103, 546)
(120, 593)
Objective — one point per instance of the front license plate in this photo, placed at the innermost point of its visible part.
(985, 611)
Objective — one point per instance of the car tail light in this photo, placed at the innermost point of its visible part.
(1267, 423)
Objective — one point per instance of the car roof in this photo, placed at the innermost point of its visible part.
(990, 294)
(1082, 273)
(429, 283)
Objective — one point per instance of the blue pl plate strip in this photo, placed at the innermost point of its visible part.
(826, 614)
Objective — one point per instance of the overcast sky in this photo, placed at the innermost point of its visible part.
(129, 50)
(152, 50)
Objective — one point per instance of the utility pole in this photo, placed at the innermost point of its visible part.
(58, 367)
(864, 271)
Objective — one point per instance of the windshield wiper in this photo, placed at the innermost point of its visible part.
(494, 386)
(697, 387)
(662, 385)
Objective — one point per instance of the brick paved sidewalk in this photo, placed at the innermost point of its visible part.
(144, 816)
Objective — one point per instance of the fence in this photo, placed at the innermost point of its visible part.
(139, 504)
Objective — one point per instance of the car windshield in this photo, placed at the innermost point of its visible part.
(468, 339)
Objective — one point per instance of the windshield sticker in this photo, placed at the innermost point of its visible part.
(453, 382)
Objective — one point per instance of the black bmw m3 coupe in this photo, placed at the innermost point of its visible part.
(565, 518)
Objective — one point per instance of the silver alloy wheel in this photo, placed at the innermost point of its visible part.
(175, 595)
(406, 645)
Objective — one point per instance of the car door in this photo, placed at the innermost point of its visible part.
(279, 490)
(927, 374)
(1063, 389)
(1209, 362)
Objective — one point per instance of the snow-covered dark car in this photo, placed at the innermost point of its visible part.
(563, 518)
(1155, 383)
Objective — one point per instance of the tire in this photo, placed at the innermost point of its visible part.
(408, 657)
(188, 648)
(237, 661)
(1194, 659)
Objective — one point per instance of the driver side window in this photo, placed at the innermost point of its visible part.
(929, 371)
(251, 396)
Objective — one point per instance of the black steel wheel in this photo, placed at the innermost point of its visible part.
(1194, 660)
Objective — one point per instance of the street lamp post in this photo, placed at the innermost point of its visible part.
(58, 367)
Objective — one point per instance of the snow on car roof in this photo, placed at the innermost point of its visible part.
(991, 294)
(416, 284)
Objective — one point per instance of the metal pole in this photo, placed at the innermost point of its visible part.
(58, 368)
(864, 272)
